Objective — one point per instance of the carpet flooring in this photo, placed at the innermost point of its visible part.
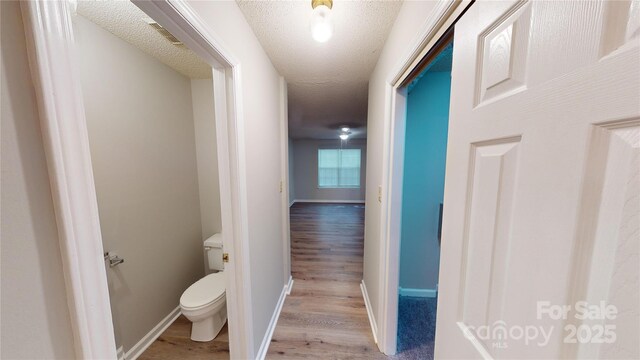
(416, 328)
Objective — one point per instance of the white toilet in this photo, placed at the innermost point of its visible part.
(204, 303)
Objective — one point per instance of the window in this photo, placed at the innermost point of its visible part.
(339, 168)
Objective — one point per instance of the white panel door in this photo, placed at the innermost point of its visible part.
(542, 194)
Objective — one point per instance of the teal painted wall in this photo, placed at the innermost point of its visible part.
(423, 181)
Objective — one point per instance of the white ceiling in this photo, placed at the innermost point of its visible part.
(126, 21)
(327, 82)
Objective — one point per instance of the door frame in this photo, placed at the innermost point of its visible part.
(434, 28)
(284, 182)
(50, 44)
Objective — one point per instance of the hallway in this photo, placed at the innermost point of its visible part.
(325, 313)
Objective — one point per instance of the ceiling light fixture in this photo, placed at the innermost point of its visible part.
(344, 134)
(321, 24)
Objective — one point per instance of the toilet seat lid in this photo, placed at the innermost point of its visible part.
(204, 291)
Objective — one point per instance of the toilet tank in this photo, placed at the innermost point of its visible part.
(213, 250)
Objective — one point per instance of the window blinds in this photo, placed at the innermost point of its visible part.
(338, 168)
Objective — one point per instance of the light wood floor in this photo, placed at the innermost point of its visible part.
(175, 343)
(325, 316)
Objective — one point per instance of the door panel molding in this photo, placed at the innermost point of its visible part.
(608, 224)
(571, 183)
(502, 55)
(492, 179)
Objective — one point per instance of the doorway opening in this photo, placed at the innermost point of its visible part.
(326, 227)
(425, 151)
(436, 38)
(150, 115)
(68, 150)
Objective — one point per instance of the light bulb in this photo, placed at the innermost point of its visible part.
(321, 25)
(344, 136)
(344, 129)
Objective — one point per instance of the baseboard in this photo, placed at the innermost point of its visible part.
(266, 341)
(120, 353)
(329, 201)
(429, 293)
(290, 285)
(367, 304)
(148, 339)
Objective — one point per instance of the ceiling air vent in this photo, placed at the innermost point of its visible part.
(166, 34)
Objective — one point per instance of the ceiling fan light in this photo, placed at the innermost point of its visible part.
(344, 136)
(344, 128)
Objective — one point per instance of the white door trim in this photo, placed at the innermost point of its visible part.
(434, 27)
(51, 43)
(284, 182)
(48, 31)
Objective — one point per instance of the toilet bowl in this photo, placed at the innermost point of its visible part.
(204, 304)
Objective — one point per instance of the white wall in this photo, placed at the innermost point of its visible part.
(35, 316)
(207, 156)
(142, 139)
(261, 113)
(410, 19)
(292, 186)
(305, 155)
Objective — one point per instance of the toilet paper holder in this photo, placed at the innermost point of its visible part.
(113, 258)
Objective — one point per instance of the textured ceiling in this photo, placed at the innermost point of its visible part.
(327, 82)
(128, 22)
